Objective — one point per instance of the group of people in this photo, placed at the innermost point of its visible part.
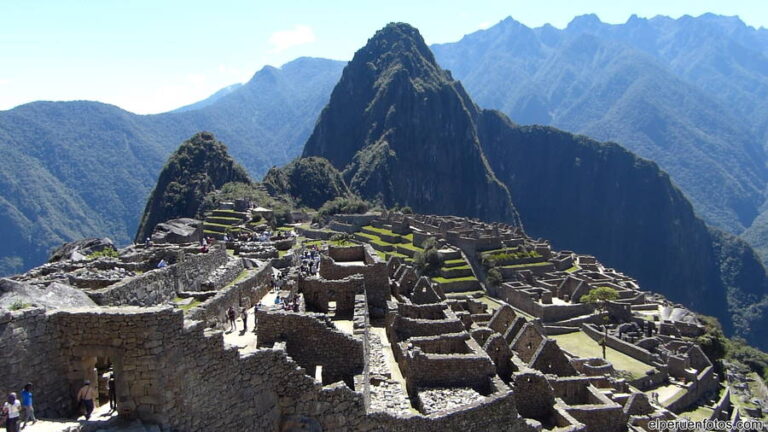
(310, 262)
(14, 409)
(232, 317)
(289, 304)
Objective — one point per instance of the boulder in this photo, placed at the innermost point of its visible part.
(53, 296)
(79, 249)
(183, 230)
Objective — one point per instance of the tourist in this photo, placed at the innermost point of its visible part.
(255, 316)
(85, 397)
(244, 313)
(231, 317)
(112, 387)
(226, 238)
(203, 242)
(148, 242)
(26, 404)
(11, 411)
(162, 264)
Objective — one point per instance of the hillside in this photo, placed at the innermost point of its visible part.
(398, 127)
(395, 144)
(83, 169)
(198, 167)
(644, 84)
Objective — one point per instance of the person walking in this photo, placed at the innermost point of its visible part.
(12, 411)
(112, 387)
(27, 406)
(85, 397)
(244, 314)
(231, 316)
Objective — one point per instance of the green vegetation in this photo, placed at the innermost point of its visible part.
(187, 307)
(199, 166)
(537, 264)
(599, 297)
(427, 261)
(578, 343)
(494, 278)
(19, 305)
(107, 253)
(343, 206)
(311, 182)
(440, 279)
(342, 239)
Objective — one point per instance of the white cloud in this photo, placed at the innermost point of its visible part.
(4, 81)
(284, 39)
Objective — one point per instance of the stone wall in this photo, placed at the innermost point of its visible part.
(375, 275)
(253, 288)
(627, 348)
(312, 340)
(30, 353)
(319, 292)
(162, 285)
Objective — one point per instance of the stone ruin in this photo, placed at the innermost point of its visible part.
(366, 344)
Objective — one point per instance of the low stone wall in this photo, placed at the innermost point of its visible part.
(447, 370)
(313, 341)
(375, 275)
(347, 253)
(253, 288)
(706, 382)
(161, 285)
(627, 348)
(319, 292)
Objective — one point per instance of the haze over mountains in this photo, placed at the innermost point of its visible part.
(77, 169)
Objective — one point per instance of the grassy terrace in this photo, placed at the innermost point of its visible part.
(186, 307)
(440, 279)
(538, 264)
(579, 344)
(573, 269)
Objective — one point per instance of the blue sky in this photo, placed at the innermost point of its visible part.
(153, 56)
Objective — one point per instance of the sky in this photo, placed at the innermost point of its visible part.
(150, 56)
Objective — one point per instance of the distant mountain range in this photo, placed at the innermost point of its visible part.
(402, 131)
(76, 169)
(686, 93)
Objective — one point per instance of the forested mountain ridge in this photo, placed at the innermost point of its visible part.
(382, 127)
(80, 169)
(632, 83)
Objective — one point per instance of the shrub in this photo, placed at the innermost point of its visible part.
(494, 278)
(108, 252)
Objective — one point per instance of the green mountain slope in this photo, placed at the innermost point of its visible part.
(383, 127)
(588, 79)
(80, 169)
(198, 167)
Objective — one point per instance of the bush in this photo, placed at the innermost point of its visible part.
(344, 206)
(428, 261)
(109, 253)
(494, 278)
(19, 305)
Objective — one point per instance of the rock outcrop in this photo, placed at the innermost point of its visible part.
(56, 295)
(182, 230)
(401, 130)
(79, 249)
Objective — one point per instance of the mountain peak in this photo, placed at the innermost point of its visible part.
(584, 23)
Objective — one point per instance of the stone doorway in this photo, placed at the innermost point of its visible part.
(96, 364)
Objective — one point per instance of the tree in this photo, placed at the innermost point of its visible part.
(494, 278)
(599, 297)
(428, 261)
(342, 238)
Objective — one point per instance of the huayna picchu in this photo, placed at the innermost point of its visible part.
(393, 279)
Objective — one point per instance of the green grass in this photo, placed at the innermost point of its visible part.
(698, 413)
(409, 237)
(538, 264)
(573, 269)
(282, 253)
(579, 344)
(380, 230)
(189, 306)
(440, 279)
(454, 261)
(464, 267)
(282, 228)
(410, 246)
(243, 274)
